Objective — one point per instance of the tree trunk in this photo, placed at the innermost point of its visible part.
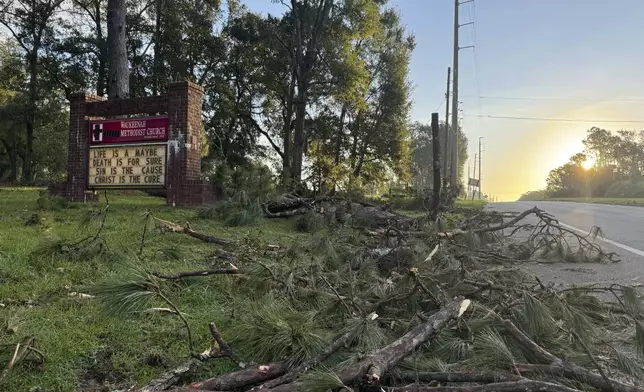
(286, 158)
(306, 57)
(339, 137)
(118, 72)
(299, 139)
(27, 165)
(102, 50)
(157, 50)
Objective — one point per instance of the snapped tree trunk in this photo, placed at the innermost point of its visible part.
(118, 73)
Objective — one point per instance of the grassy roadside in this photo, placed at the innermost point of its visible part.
(83, 347)
(639, 202)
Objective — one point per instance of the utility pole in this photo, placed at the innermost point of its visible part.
(480, 139)
(446, 138)
(468, 180)
(436, 149)
(454, 171)
(474, 174)
(454, 163)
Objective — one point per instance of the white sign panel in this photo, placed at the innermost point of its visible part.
(127, 166)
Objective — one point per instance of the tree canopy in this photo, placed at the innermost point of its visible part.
(320, 92)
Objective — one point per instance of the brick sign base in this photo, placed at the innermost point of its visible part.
(182, 106)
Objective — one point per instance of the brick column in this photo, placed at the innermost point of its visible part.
(78, 146)
(184, 144)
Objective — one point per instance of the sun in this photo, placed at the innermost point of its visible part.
(588, 163)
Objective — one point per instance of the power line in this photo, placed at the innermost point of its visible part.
(554, 98)
(440, 104)
(578, 120)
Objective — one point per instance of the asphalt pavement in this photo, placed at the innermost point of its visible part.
(623, 233)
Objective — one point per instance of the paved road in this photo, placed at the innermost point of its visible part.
(623, 229)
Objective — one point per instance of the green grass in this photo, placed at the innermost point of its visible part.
(83, 346)
(470, 203)
(603, 200)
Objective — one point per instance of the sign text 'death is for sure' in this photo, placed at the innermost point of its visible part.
(127, 166)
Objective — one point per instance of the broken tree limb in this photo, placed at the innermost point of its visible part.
(175, 228)
(287, 213)
(293, 373)
(242, 378)
(510, 386)
(170, 378)
(179, 275)
(220, 348)
(537, 351)
(376, 364)
(443, 377)
(574, 372)
(555, 366)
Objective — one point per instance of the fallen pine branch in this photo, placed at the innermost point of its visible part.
(524, 385)
(574, 372)
(287, 213)
(556, 366)
(294, 373)
(220, 348)
(444, 377)
(179, 275)
(376, 364)
(175, 228)
(170, 378)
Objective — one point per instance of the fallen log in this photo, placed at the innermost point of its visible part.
(510, 386)
(242, 378)
(175, 228)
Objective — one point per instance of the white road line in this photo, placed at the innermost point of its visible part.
(617, 244)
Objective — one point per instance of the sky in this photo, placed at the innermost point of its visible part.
(583, 59)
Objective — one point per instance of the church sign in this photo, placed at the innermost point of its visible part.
(128, 153)
(129, 130)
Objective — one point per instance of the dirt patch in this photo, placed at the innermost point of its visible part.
(100, 374)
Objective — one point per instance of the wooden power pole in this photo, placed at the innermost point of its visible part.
(480, 151)
(436, 149)
(454, 160)
(446, 138)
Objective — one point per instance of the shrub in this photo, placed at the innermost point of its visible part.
(51, 202)
(254, 180)
(533, 196)
(309, 222)
(237, 211)
(625, 189)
